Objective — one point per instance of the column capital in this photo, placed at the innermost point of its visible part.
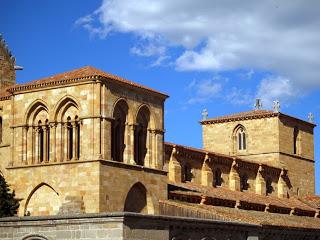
(156, 131)
(53, 124)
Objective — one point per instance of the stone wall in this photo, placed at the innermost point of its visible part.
(270, 141)
(129, 226)
(45, 183)
(262, 137)
(101, 185)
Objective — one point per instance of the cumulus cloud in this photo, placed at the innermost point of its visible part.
(276, 88)
(238, 96)
(280, 37)
(204, 91)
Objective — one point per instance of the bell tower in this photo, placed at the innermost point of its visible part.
(7, 65)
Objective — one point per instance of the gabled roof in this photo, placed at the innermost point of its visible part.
(76, 75)
(248, 115)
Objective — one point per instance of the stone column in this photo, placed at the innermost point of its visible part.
(29, 145)
(59, 142)
(65, 143)
(260, 182)
(234, 179)
(282, 184)
(45, 144)
(53, 142)
(129, 142)
(174, 167)
(149, 144)
(106, 138)
(206, 173)
(74, 141)
(103, 138)
(24, 145)
(37, 146)
(12, 148)
(97, 138)
(80, 139)
(154, 151)
(34, 143)
(159, 149)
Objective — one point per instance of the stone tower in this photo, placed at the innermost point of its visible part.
(7, 65)
(266, 137)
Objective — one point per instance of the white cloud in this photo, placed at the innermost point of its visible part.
(148, 50)
(204, 91)
(280, 37)
(238, 96)
(276, 88)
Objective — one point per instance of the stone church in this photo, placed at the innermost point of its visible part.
(85, 152)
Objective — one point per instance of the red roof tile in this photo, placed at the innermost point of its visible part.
(241, 116)
(244, 216)
(249, 197)
(169, 146)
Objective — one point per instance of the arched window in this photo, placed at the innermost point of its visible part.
(244, 182)
(1, 130)
(187, 173)
(241, 135)
(269, 188)
(295, 140)
(118, 131)
(73, 138)
(218, 177)
(43, 141)
(36, 145)
(140, 135)
(240, 139)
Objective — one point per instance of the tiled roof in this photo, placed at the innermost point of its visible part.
(247, 197)
(241, 116)
(227, 158)
(312, 200)
(75, 75)
(244, 216)
(253, 114)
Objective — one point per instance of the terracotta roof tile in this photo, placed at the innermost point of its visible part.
(249, 197)
(251, 217)
(241, 116)
(312, 200)
(78, 74)
(253, 114)
(169, 146)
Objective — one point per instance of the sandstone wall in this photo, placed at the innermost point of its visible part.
(262, 137)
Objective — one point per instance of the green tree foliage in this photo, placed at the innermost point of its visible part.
(8, 203)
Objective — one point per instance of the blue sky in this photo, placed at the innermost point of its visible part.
(214, 55)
